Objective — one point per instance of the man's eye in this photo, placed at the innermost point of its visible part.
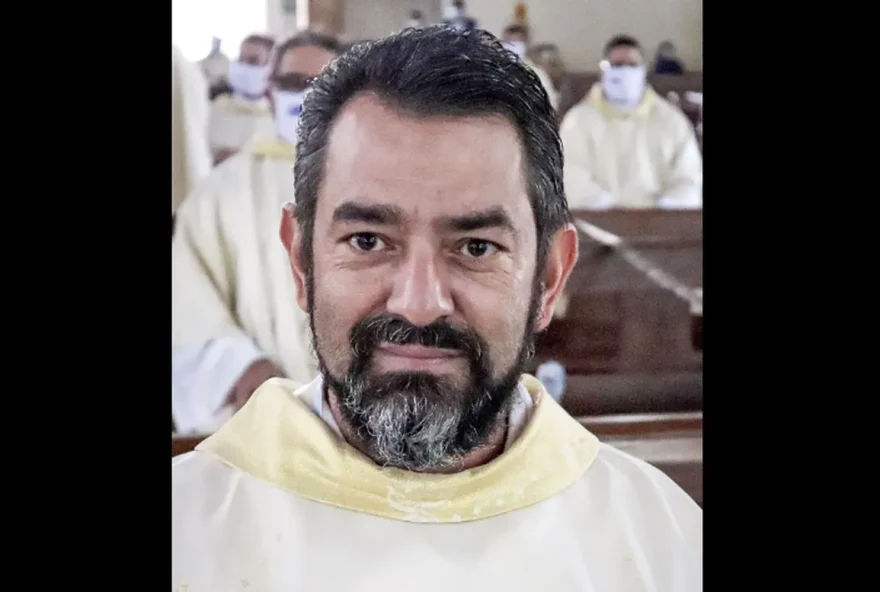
(478, 248)
(364, 241)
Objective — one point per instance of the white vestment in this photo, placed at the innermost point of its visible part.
(235, 120)
(641, 159)
(190, 155)
(276, 500)
(233, 298)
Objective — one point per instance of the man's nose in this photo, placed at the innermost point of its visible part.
(420, 291)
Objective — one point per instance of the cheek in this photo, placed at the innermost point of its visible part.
(499, 316)
(341, 299)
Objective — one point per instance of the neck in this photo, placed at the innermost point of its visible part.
(491, 449)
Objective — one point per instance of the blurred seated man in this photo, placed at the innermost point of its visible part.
(666, 60)
(233, 325)
(627, 147)
(516, 39)
(455, 15)
(548, 57)
(236, 117)
(190, 156)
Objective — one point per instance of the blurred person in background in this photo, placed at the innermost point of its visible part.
(190, 155)
(666, 61)
(233, 323)
(455, 15)
(516, 39)
(626, 146)
(236, 117)
(416, 19)
(215, 65)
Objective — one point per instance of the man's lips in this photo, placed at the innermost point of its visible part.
(391, 357)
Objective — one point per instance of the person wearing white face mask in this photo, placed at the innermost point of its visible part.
(455, 15)
(232, 323)
(516, 39)
(627, 147)
(236, 117)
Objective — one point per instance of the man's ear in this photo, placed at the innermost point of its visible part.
(291, 237)
(561, 259)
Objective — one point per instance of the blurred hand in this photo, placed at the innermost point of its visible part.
(250, 380)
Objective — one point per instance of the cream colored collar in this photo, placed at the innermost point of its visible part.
(237, 104)
(646, 105)
(278, 438)
(274, 148)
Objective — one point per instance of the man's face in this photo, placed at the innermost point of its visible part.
(424, 296)
(255, 54)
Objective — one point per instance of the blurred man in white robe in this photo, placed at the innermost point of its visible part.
(215, 65)
(516, 39)
(236, 117)
(233, 325)
(429, 242)
(190, 156)
(628, 147)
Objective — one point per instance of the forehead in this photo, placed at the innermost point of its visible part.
(308, 60)
(625, 55)
(429, 167)
(253, 47)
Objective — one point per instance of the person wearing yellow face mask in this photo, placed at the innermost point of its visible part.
(232, 326)
(237, 117)
(626, 146)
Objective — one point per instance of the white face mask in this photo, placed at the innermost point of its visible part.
(288, 106)
(248, 80)
(517, 47)
(624, 85)
(414, 23)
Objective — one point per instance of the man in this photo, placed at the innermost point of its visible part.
(237, 117)
(516, 39)
(233, 325)
(215, 66)
(627, 147)
(429, 242)
(190, 156)
(416, 19)
(455, 15)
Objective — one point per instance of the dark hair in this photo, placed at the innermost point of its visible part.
(622, 41)
(263, 40)
(312, 38)
(416, 14)
(436, 71)
(458, 3)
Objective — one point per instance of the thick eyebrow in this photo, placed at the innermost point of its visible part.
(374, 214)
(495, 217)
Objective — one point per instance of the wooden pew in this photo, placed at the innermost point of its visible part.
(627, 345)
(183, 444)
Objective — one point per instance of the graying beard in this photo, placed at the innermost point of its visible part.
(394, 441)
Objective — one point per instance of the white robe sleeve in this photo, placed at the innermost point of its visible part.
(581, 190)
(209, 348)
(683, 183)
(202, 377)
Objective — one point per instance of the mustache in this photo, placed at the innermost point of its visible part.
(397, 330)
